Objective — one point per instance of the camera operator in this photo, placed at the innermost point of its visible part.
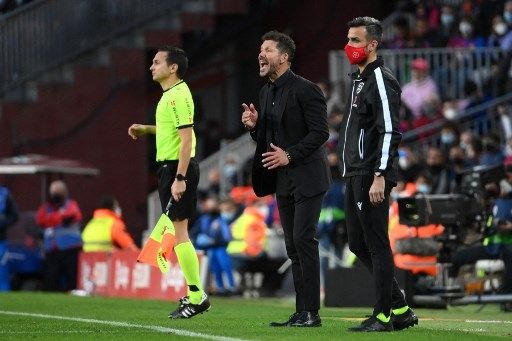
(498, 238)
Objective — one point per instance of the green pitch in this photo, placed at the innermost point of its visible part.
(41, 316)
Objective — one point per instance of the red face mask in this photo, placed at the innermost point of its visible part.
(355, 55)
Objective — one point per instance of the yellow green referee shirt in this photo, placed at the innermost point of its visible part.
(175, 111)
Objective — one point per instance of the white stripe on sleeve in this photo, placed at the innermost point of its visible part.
(388, 127)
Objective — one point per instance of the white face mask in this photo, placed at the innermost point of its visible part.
(450, 113)
(465, 29)
(500, 28)
(403, 162)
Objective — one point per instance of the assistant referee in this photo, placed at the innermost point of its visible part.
(178, 172)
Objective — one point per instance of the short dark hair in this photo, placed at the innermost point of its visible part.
(285, 43)
(108, 202)
(177, 56)
(373, 27)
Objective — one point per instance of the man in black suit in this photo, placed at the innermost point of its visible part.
(290, 160)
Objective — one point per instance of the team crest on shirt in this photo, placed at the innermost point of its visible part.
(359, 87)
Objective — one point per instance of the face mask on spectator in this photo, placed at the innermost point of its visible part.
(403, 162)
(500, 28)
(446, 19)
(56, 199)
(229, 170)
(423, 188)
(507, 15)
(450, 113)
(465, 29)
(447, 138)
(227, 215)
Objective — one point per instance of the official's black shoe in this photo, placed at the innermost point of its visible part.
(405, 320)
(373, 324)
(187, 310)
(308, 319)
(293, 317)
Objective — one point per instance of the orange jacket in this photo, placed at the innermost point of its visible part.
(105, 231)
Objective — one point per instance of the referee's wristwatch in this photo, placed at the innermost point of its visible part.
(180, 177)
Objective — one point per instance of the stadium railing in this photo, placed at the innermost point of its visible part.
(449, 67)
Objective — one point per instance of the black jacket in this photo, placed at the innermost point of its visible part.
(369, 134)
(302, 130)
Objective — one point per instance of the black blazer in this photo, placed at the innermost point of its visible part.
(303, 131)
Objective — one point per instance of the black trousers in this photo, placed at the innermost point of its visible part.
(367, 228)
(61, 267)
(472, 254)
(299, 218)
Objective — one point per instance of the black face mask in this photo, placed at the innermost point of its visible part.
(458, 161)
(436, 168)
(56, 199)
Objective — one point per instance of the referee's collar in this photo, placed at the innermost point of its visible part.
(181, 81)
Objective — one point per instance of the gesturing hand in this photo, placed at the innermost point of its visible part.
(136, 130)
(249, 116)
(275, 158)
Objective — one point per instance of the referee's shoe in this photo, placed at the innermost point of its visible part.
(187, 310)
(404, 320)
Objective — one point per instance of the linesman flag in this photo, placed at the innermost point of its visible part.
(157, 249)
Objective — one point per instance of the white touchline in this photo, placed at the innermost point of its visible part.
(487, 321)
(126, 324)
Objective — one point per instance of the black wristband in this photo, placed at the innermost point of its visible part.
(180, 177)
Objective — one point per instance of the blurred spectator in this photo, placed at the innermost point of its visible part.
(334, 123)
(332, 215)
(8, 216)
(247, 248)
(408, 164)
(498, 31)
(450, 111)
(449, 136)
(106, 230)
(474, 151)
(423, 35)
(466, 36)
(491, 154)
(230, 167)
(60, 219)
(448, 24)
(402, 35)
(437, 170)
(420, 88)
(505, 117)
(423, 183)
(457, 159)
(466, 138)
(506, 182)
(213, 237)
(332, 98)
(249, 231)
(507, 13)
(213, 182)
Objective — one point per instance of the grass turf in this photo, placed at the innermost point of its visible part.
(228, 318)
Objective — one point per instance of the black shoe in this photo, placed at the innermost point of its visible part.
(405, 320)
(308, 319)
(187, 310)
(373, 324)
(294, 317)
